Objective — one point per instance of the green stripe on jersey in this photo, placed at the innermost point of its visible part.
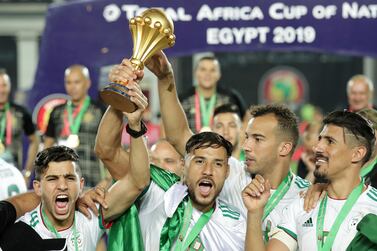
(228, 212)
(292, 234)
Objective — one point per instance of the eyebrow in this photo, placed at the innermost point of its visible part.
(64, 175)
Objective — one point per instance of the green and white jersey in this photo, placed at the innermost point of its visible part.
(88, 231)
(237, 180)
(225, 230)
(11, 180)
(302, 226)
(275, 217)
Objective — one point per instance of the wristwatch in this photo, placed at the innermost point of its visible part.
(137, 134)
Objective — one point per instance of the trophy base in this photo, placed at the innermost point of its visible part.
(116, 95)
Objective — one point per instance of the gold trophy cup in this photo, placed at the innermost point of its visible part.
(151, 31)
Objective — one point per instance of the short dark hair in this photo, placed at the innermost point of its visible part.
(54, 154)
(210, 58)
(208, 139)
(354, 123)
(227, 108)
(287, 120)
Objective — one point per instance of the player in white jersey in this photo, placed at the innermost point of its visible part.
(12, 181)
(58, 183)
(271, 136)
(84, 232)
(345, 144)
(202, 220)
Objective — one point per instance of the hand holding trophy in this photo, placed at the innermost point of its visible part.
(151, 31)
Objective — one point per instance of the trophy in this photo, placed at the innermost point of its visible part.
(151, 31)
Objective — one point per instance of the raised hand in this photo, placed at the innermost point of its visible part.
(256, 194)
(159, 65)
(141, 102)
(125, 73)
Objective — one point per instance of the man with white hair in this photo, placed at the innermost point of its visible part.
(15, 121)
(360, 93)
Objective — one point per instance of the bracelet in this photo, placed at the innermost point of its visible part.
(136, 134)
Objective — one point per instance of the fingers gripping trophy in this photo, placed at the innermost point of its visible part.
(151, 31)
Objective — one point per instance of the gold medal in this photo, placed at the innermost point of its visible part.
(73, 141)
(2, 147)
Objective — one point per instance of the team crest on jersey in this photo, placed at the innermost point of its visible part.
(308, 223)
(80, 240)
(355, 219)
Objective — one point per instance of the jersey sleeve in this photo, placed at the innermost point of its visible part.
(27, 122)
(50, 130)
(288, 222)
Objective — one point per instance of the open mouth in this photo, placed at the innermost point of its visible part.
(61, 204)
(205, 187)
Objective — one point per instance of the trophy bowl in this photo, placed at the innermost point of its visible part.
(151, 31)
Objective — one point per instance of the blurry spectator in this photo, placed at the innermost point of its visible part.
(164, 155)
(14, 121)
(227, 123)
(360, 93)
(306, 163)
(11, 181)
(75, 123)
(199, 102)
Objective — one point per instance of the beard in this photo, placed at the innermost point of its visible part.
(320, 177)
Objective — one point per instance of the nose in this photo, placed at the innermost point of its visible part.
(208, 169)
(246, 146)
(62, 184)
(318, 148)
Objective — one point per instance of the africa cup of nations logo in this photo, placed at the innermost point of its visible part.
(42, 111)
(283, 85)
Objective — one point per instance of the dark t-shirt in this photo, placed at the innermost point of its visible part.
(20, 123)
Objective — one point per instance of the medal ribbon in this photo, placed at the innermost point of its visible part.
(53, 229)
(351, 200)
(203, 110)
(182, 242)
(278, 195)
(6, 125)
(75, 118)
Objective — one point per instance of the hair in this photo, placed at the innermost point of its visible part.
(369, 114)
(83, 69)
(5, 75)
(210, 58)
(287, 120)
(363, 78)
(208, 139)
(358, 126)
(54, 154)
(227, 108)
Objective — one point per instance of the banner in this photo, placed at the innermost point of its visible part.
(96, 33)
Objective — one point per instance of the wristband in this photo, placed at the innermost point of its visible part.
(137, 134)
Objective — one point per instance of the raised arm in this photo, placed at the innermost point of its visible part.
(255, 196)
(108, 143)
(124, 192)
(175, 122)
(174, 119)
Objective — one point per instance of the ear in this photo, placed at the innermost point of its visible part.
(82, 182)
(358, 154)
(37, 187)
(285, 148)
